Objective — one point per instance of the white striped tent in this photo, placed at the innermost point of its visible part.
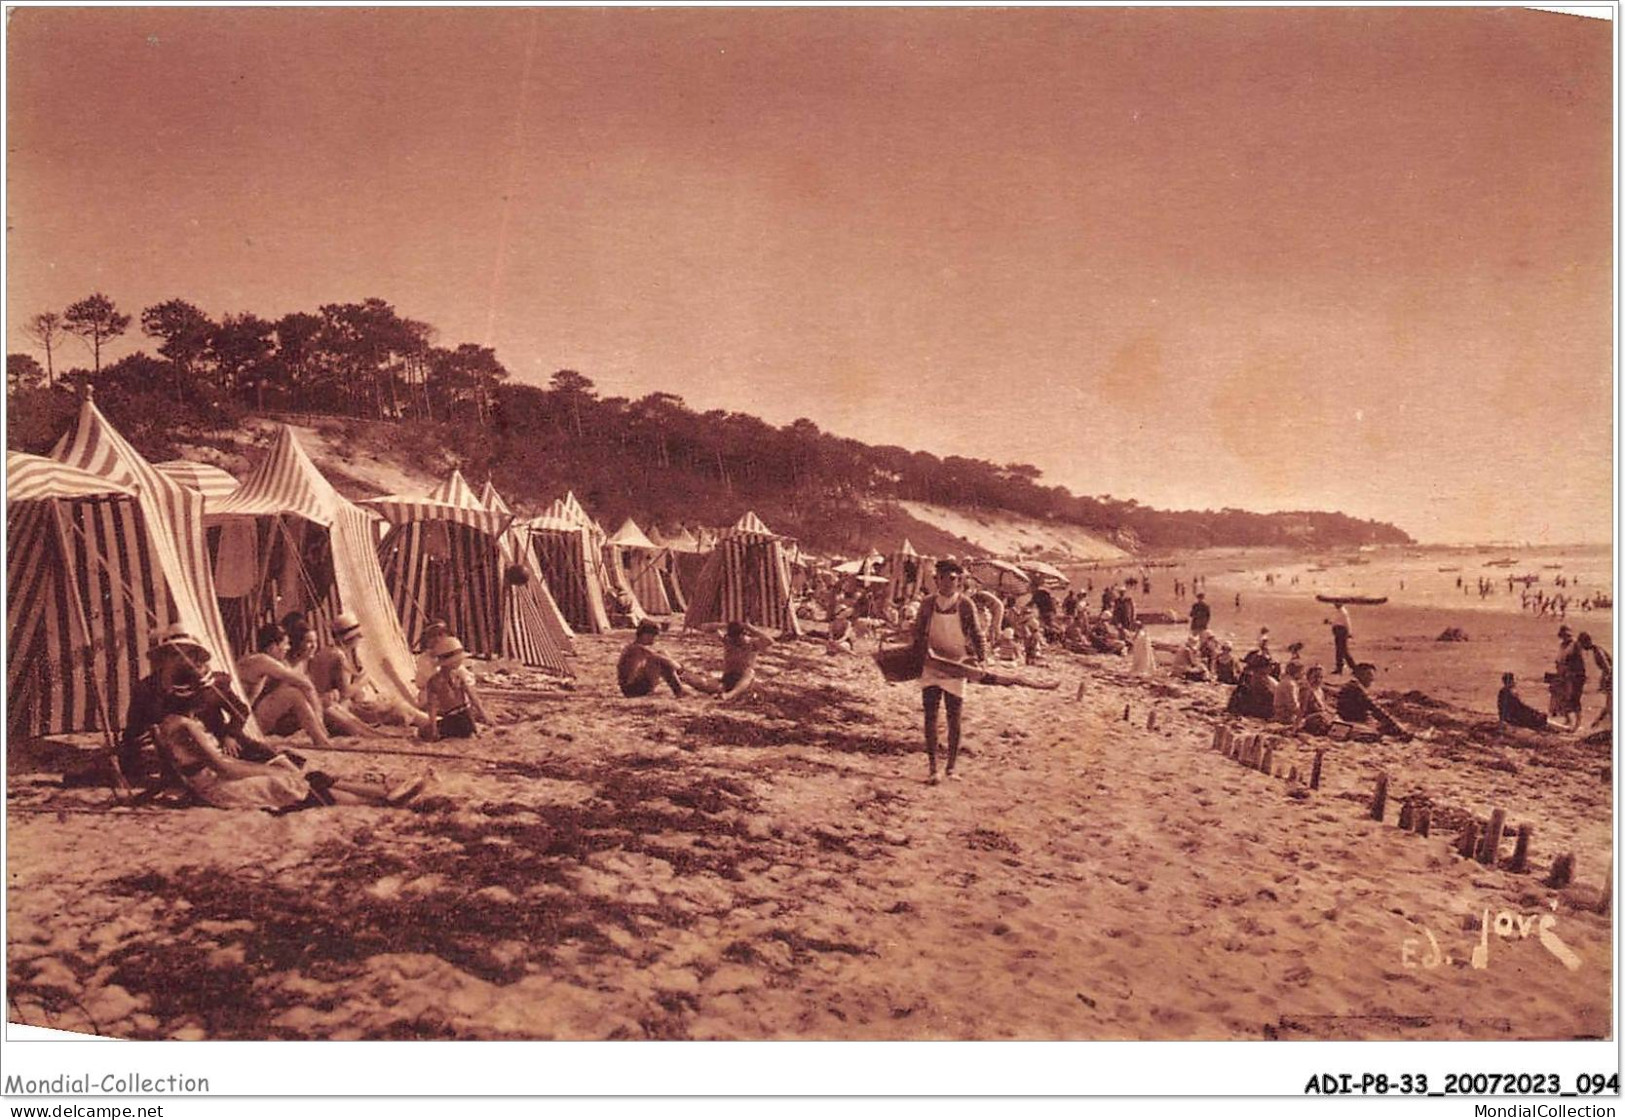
(82, 589)
(616, 590)
(646, 566)
(293, 543)
(173, 517)
(746, 579)
(443, 558)
(529, 607)
(907, 572)
(572, 552)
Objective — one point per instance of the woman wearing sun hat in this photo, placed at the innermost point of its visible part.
(453, 701)
(345, 685)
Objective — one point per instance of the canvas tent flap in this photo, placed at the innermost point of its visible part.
(453, 501)
(205, 478)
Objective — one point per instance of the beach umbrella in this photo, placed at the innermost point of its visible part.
(998, 575)
(1042, 573)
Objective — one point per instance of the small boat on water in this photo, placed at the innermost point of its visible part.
(1549, 566)
(1507, 562)
(1450, 569)
(1316, 568)
(1352, 600)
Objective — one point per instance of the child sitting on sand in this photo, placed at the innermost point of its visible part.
(453, 701)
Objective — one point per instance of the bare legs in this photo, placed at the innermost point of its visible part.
(935, 697)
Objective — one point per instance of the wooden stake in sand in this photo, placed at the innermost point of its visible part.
(1125, 713)
(1424, 821)
(1520, 852)
(1218, 737)
(1079, 696)
(1292, 775)
(1266, 765)
(1379, 799)
(1151, 720)
(1489, 847)
(1468, 843)
(1314, 775)
(1407, 816)
(1562, 873)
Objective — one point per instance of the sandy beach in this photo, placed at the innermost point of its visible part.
(597, 868)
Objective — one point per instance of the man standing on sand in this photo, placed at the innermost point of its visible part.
(1201, 613)
(1342, 630)
(947, 630)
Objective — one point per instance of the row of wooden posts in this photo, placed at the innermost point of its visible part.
(1481, 845)
(1257, 752)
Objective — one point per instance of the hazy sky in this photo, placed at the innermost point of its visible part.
(1352, 259)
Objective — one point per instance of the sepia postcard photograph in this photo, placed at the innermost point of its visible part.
(809, 524)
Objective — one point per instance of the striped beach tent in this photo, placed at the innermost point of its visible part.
(285, 540)
(173, 531)
(670, 576)
(571, 550)
(443, 558)
(530, 613)
(688, 559)
(746, 579)
(645, 566)
(82, 590)
(907, 572)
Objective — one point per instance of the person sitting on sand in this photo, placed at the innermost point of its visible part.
(344, 682)
(282, 698)
(1316, 716)
(1105, 637)
(1225, 669)
(1355, 705)
(1512, 709)
(1208, 648)
(1254, 695)
(1288, 704)
(947, 630)
(425, 665)
(1262, 657)
(641, 667)
(175, 657)
(1188, 662)
(742, 644)
(336, 717)
(218, 780)
(454, 708)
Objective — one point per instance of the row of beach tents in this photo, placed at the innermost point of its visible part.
(106, 549)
